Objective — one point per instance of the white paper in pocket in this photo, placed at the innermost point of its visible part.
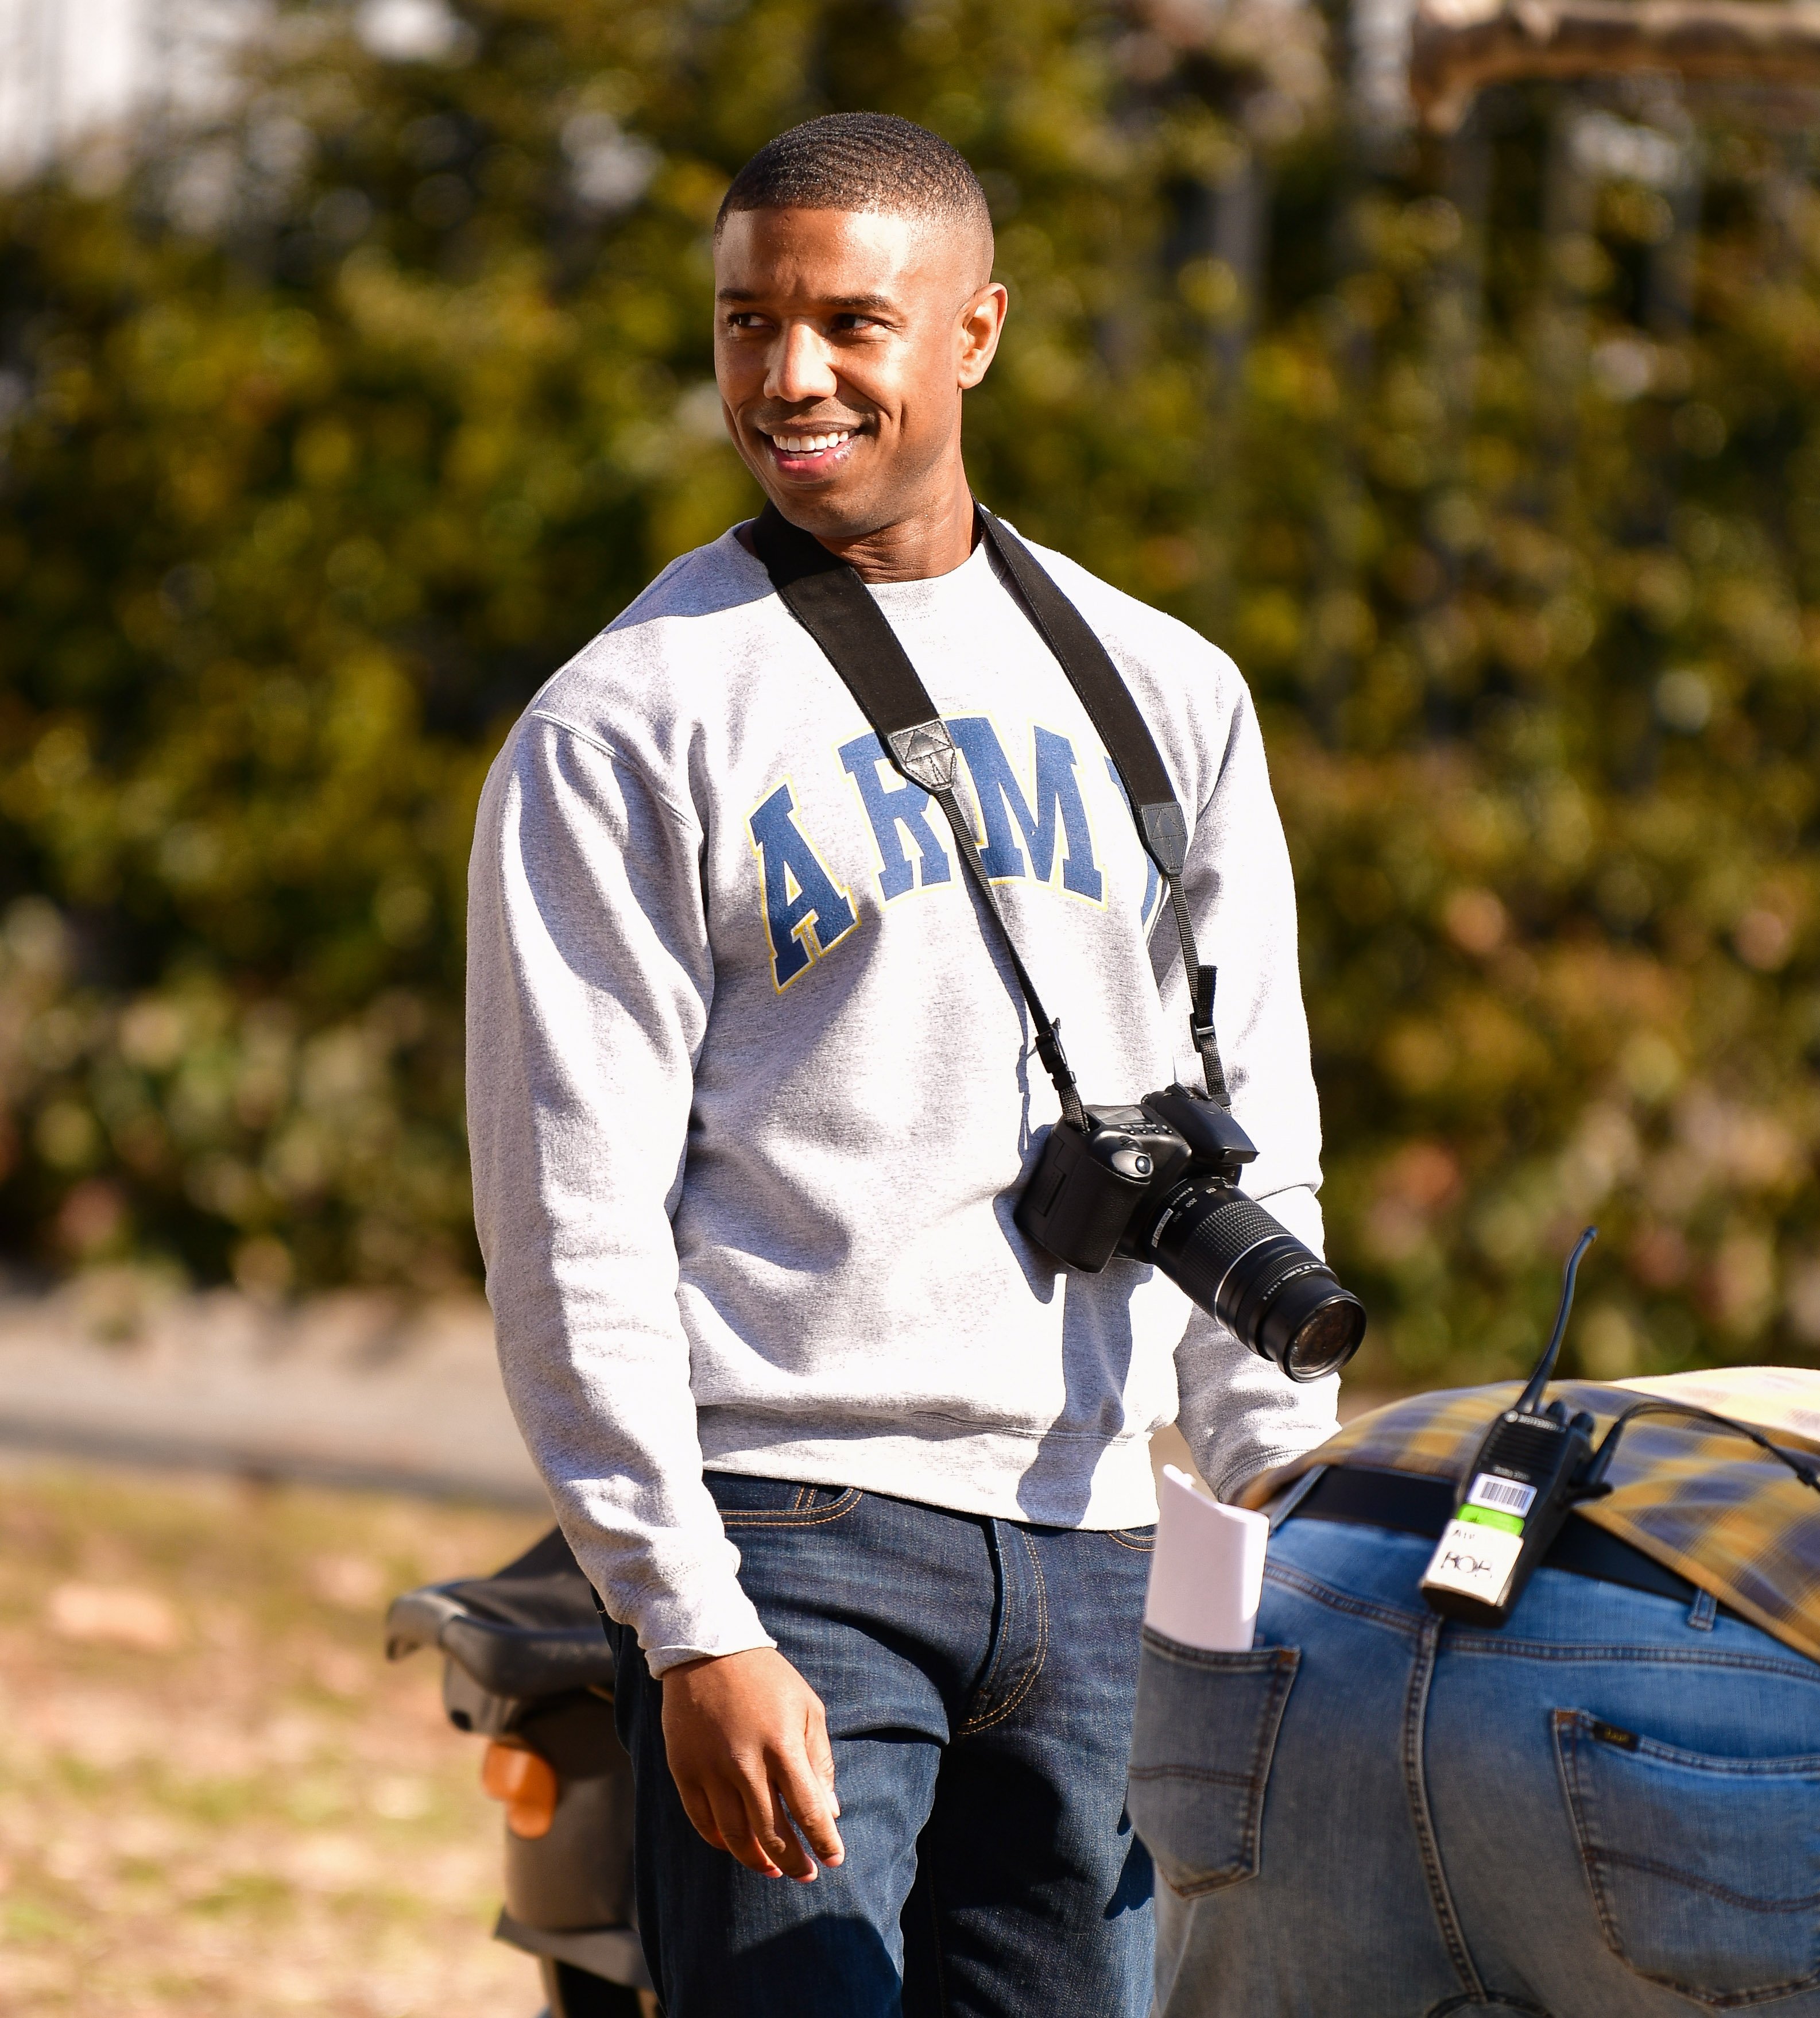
(1206, 1575)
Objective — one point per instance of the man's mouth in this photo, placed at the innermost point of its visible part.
(808, 451)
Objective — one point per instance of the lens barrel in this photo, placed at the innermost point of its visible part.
(1226, 1252)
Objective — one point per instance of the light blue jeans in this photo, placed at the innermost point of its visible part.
(1610, 1808)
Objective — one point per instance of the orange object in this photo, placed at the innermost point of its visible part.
(515, 1774)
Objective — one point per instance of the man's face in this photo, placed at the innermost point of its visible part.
(843, 342)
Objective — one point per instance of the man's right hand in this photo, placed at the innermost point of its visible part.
(748, 1744)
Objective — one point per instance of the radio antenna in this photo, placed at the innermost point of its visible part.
(1545, 1365)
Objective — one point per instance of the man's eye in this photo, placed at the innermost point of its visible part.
(744, 320)
(846, 325)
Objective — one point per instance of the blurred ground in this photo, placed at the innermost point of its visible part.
(216, 1799)
(358, 1387)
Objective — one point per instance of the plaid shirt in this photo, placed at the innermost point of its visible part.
(1707, 1503)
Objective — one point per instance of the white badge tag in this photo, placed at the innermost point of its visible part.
(1476, 1560)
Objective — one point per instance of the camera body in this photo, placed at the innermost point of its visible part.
(1084, 1200)
(1158, 1183)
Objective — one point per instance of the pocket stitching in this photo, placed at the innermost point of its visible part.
(1804, 1766)
(973, 1725)
(1282, 1664)
(1712, 1891)
(1218, 1660)
(1212, 1776)
(817, 1516)
(1570, 1740)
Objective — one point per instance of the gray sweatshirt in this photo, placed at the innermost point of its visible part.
(751, 1092)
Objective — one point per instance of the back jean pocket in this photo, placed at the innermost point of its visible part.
(1705, 1871)
(1201, 1745)
(746, 1503)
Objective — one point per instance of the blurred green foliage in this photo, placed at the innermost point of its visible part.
(331, 432)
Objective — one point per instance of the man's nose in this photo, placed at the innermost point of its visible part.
(800, 366)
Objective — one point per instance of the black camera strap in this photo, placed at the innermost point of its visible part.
(833, 605)
(1161, 824)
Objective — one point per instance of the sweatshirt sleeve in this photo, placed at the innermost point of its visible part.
(589, 985)
(1240, 1415)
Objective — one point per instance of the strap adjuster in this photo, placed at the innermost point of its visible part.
(1048, 1048)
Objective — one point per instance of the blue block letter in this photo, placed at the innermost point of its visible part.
(806, 911)
(1002, 804)
(888, 808)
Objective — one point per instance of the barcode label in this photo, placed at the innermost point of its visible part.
(1508, 1494)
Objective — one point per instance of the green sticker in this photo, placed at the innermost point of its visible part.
(1489, 1516)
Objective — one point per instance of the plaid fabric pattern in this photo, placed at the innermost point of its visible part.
(1707, 1503)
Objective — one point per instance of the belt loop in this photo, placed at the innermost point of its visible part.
(1703, 1612)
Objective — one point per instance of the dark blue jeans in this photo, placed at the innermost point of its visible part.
(979, 1676)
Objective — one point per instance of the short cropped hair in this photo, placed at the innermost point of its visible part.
(862, 161)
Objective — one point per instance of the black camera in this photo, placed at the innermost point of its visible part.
(1158, 1183)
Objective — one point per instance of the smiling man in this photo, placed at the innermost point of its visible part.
(860, 1475)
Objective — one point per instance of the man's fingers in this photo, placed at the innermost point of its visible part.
(747, 1741)
(700, 1814)
(810, 1805)
(821, 1755)
(770, 1826)
(733, 1821)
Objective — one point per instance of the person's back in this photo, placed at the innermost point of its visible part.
(1608, 1808)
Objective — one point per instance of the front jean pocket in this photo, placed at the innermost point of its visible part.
(746, 1503)
(1705, 1871)
(1201, 1744)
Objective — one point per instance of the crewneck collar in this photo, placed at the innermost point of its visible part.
(938, 594)
(978, 577)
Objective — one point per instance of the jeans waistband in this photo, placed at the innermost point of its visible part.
(1411, 1504)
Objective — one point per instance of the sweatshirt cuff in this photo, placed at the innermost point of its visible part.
(1237, 1475)
(675, 1627)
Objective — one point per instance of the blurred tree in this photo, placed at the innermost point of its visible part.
(330, 433)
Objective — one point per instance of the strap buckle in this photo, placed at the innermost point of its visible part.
(1201, 1013)
(1200, 1028)
(1048, 1048)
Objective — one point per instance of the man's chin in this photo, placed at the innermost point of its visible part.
(835, 508)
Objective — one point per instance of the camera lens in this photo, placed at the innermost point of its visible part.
(1314, 1326)
(1226, 1252)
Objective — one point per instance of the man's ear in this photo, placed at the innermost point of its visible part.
(982, 323)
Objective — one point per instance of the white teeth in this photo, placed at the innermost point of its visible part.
(808, 444)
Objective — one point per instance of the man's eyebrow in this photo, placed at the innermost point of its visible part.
(861, 304)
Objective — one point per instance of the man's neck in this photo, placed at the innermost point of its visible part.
(933, 542)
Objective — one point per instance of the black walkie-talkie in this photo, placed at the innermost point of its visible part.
(1524, 1481)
